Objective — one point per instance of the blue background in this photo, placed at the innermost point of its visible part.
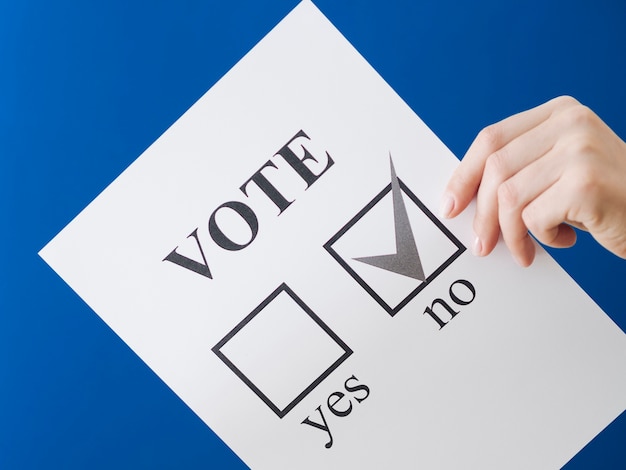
(85, 87)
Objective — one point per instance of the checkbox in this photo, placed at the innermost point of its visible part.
(282, 350)
(371, 232)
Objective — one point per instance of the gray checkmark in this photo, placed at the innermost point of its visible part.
(406, 259)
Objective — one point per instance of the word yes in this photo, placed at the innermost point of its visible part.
(339, 405)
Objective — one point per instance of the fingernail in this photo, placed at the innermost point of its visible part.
(477, 248)
(447, 204)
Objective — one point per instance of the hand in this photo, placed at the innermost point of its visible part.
(544, 170)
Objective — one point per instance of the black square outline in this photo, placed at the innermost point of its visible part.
(282, 288)
(393, 310)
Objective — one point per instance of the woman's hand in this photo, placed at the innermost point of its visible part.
(544, 170)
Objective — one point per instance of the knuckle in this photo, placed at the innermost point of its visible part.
(508, 195)
(579, 117)
(582, 149)
(578, 151)
(586, 194)
(564, 101)
(585, 181)
(496, 165)
(490, 138)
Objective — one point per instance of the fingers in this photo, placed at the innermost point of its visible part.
(515, 158)
(544, 171)
(538, 199)
(529, 184)
(465, 181)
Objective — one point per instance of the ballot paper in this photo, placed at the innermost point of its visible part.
(277, 259)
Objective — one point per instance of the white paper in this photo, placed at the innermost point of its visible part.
(292, 327)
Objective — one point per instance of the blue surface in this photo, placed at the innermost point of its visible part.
(87, 86)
